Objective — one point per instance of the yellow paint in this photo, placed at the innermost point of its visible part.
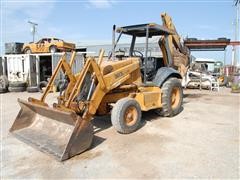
(43, 45)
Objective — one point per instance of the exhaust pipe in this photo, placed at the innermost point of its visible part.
(113, 41)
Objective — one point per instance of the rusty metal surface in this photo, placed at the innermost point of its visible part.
(218, 44)
(59, 133)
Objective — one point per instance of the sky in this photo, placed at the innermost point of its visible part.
(90, 21)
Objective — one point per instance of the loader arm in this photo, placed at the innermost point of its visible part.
(111, 81)
(103, 85)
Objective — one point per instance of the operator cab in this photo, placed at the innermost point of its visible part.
(149, 63)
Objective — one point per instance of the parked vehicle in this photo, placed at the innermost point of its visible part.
(47, 45)
(198, 76)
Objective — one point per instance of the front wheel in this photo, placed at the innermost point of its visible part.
(172, 98)
(53, 49)
(126, 115)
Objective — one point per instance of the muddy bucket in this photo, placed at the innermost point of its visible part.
(60, 133)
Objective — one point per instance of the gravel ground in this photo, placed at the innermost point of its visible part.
(201, 142)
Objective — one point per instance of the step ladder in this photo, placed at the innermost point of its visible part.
(214, 84)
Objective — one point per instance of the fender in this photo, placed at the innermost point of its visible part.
(163, 74)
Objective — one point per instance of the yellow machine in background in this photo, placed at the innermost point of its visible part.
(48, 45)
(120, 86)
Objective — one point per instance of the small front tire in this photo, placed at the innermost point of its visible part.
(126, 115)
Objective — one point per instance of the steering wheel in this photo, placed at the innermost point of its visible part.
(117, 53)
(135, 52)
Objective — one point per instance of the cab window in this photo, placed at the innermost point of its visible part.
(48, 40)
(40, 41)
(57, 40)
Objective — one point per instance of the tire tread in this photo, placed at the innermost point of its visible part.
(117, 112)
(166, 109)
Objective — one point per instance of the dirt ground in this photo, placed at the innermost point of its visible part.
(201, 142)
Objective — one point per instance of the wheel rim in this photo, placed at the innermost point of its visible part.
(175, 99)
(130, 116)
(28, 51)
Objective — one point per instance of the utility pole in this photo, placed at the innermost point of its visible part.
(236, 49)
(33, 28)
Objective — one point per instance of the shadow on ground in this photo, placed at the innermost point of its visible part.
(186, 95)
(102, 123)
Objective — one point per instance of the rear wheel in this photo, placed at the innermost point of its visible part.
(126, 115)
(172, 98)
(27, 51)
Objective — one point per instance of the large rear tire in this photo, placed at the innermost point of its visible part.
(126, 115)
(172, 98)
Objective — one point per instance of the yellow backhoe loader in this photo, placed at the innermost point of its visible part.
(121, 86)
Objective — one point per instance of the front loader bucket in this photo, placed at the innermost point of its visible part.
(60, 133)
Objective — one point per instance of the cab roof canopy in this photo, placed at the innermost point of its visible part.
(140, 30)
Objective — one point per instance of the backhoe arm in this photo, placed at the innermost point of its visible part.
(174, 49)
(174, 39)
